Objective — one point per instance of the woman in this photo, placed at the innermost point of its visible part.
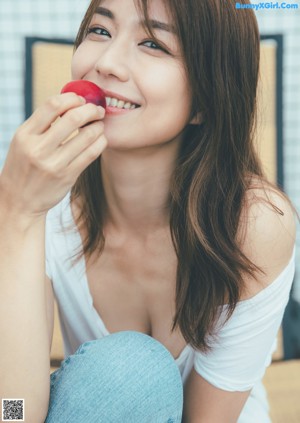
(166, 248)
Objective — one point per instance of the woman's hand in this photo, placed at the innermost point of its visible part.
(43, 162)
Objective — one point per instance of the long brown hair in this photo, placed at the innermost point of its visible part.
(220, 47)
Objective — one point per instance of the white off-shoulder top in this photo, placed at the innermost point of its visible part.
(240, 353)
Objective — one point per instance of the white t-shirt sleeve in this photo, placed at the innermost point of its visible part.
(244, 345)
(52, 229)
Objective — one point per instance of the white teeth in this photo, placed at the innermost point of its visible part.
(120, 104)
(127, 105)
(114, 102)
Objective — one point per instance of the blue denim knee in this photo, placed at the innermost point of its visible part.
(125, 377)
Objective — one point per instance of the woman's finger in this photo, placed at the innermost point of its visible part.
(69, 151)
(72, 120)
(54, 107)
(83, 160)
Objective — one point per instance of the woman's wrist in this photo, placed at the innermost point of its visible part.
(12, 218)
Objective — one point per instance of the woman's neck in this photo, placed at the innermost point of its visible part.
(136, 187)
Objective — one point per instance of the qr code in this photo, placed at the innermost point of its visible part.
(13, 410)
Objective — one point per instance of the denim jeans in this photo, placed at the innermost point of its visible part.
(125, 377)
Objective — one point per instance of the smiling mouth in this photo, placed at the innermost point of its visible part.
(120, 104)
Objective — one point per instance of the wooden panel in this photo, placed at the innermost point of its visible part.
(51, 67)
(282, 381)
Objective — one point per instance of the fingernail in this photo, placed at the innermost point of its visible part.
(82, 99)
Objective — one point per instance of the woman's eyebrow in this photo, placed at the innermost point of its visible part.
(161, 25)
(153, 22)
(105, 12)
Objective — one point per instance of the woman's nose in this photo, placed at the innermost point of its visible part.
(114, 61)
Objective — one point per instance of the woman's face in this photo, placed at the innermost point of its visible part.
(147, 83)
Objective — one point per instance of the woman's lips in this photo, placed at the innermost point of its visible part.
(115, 104)
(115, 100)
(120, 104)
(110, 110)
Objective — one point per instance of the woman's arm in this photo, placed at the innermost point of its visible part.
(24, 359)
(204, 403)
(268, 242)
(41, 166)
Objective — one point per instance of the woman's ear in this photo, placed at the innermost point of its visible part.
(197, 119)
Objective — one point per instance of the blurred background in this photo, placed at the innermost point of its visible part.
(60, 19)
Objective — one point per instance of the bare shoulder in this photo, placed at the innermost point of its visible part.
(267, 232)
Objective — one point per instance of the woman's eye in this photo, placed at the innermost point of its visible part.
(98, 31)
(154, 46)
